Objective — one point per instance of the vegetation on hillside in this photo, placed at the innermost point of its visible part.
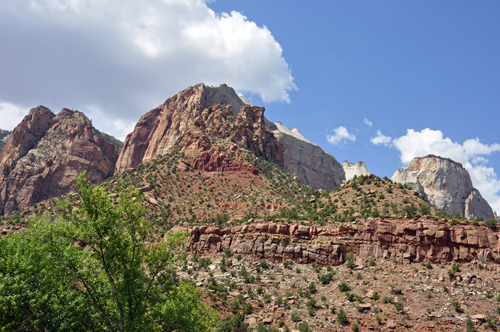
(96, 268)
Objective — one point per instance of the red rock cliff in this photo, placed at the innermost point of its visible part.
(44, 155)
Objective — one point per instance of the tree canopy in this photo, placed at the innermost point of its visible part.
(97, 268)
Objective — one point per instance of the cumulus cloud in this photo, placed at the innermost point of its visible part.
(368, 122)
(11, 114)
(341, 135)
(381, 139)
(471, 154)
(128, 56)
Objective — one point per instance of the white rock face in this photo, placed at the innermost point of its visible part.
(357, 169)
(446, 184)
(313, 165)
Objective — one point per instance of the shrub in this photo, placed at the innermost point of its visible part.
(388, 299)
(344, 287)
(398, 306)
(342, 317)
(491, 224)
(375, 296)
(312, 288)
(355, 327)
(350, 264)
(304, 327)
(295, 316)
(456, 306)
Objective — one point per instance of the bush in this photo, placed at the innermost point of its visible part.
(295, 316)
(491, 224)
(312, 288)
(350, 265)
(304, 327)
(344, 287)
(355, 327)
(398, 306)
(375, 296)
(342, 317)
(247, 308)
(388, 299)
(456, 306)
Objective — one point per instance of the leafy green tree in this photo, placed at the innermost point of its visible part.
(97, 268)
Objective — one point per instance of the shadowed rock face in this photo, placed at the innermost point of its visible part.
(446, 184)
(313, 165)
(160, 131)
(44, 155)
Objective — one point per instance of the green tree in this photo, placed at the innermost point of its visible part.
(91, 269)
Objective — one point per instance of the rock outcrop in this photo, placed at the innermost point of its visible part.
(4, 136)
(407, 240)
(446, 184)
(161, 131)
(313, 165)
(357, 169)
(46, 152)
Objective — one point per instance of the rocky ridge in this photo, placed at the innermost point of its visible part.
(406, 239)
(357, 169)
(44, 155)
(446, 184)
(160, 130)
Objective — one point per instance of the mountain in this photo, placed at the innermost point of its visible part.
(4, 136)
(45, 153)
(357, 169)
(160, 131)
(446, 184)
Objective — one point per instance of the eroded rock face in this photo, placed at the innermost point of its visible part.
(313, 165)
(420, 241)
(157, 131)
(44, 155)
(446, 184)
(160, 131)
(357, 169)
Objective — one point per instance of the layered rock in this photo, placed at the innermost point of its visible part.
(446, 184)
(313, 165)
(408, 240)
(4, 136)
(160, 131)
(46, 152)
(357, 169)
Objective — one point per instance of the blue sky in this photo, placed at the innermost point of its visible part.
(384, 80)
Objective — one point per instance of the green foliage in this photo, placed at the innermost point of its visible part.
(304, 327)
(231, 323)
(491, 224)
(398, 306)
(388, 299)
(355, 327)
(469, 326)
(115, 283)
(456, 306)
(343, 287)
(312, 287)
(342, 317)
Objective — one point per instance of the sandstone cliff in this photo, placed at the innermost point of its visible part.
(446, 184)
(161, 131)
(412, 241)
(44, 155)
(357, 169)
(4, 136)
(313, 165)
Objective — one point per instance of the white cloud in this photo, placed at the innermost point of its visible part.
(368, 122)
(381, 139)
(11, 115)
(128, 56)
(470, 154)
(341, 135)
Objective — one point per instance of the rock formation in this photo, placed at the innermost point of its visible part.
(357, 169)
(446, 184)
(160, 131)
(46, 152)
(4, 136)
(313, 165)
(412, 241)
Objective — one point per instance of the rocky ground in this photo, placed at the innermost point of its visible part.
(378, 295)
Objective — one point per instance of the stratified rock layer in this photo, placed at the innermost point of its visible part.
(161, 130)
(446, 184)
(408, 240)
(357, 169)
(44, 155)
